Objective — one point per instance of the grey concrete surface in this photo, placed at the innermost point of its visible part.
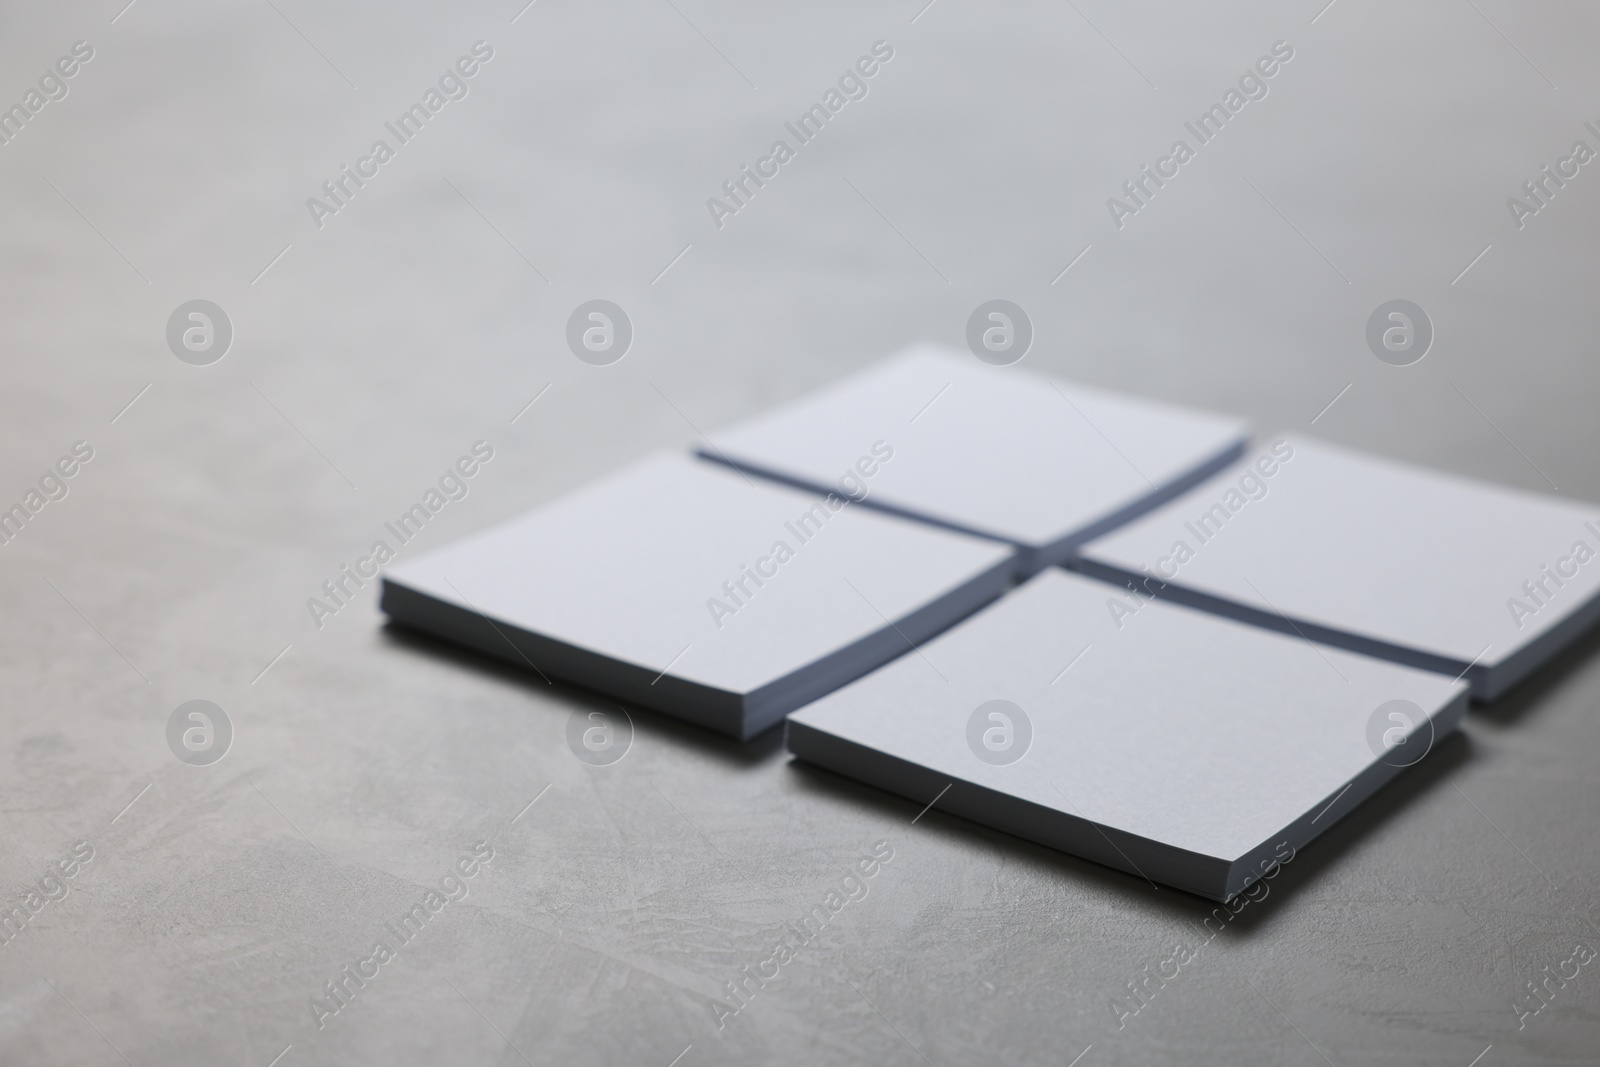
(430, 309)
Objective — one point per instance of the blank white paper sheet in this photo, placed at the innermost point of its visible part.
(1000, 452)
(1179, 746)
(687, 587)
(1414, 565)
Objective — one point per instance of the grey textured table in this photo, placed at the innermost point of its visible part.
(430, 309)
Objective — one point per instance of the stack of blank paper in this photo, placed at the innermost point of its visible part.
(682, 586)
(993, 451)
(1412, 565)
(1180, 746)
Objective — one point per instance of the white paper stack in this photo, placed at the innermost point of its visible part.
(685, 587)
(1182, 747)
(1412, 565)
(998, 452)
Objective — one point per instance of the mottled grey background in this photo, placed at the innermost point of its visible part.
(416, 321)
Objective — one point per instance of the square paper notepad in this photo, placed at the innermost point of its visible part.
(682, 586)
(1416, 566)
(994, 451)
(1183, 747)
